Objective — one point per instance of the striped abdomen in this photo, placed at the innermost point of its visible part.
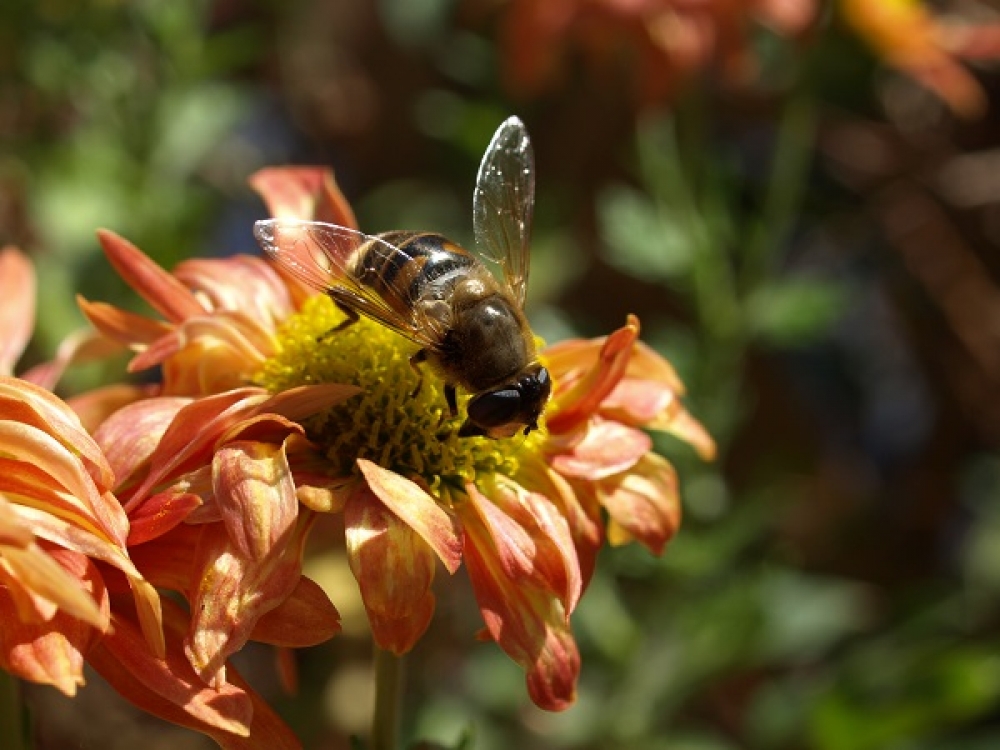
(425, 266)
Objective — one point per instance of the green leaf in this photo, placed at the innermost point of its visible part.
(796, 311)
(643, 240)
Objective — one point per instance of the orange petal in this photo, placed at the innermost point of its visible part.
(394, 568)
(607, 448)
(255, 493)
(159, 514)
(304, 401)
(169, 687)
(234, 592)
(93, 407)
(191, 436)
(166, 294)
(643, 504)
(528, 622)
(534, 527)
(573, 407)
(17, 309)
(306, 618)
(125, 327)
(418, 510)
(36, 570)
(303, 193)
(31, 445)
(51, 415)
(130, 435)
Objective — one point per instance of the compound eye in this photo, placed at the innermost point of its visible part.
(495, 408)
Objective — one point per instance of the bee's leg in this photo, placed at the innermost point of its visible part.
(449, 396)
(419, 356)
(350, 318)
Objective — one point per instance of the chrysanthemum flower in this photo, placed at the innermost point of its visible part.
(61, 529)
(338, 422)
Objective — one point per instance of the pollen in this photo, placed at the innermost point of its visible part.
(400, 420)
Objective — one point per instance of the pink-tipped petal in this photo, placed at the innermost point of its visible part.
(17, 306)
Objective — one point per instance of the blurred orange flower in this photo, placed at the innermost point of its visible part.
(927, 47)
(661, 43)
(290, 421)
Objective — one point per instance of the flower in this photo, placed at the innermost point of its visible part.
(927, 47)
(62, 532)
(340, 422)
(661, 43)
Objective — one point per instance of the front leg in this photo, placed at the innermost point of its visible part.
(419, 356)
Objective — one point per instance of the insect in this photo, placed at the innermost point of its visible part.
(470, 326)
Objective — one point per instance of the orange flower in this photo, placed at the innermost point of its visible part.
(909, 37)
(663, 42)
(336, 423)
(62, 532)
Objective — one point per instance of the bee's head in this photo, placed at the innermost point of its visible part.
(500, 412)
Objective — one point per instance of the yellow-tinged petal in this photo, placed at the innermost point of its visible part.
(527, 621)
(419, 510)
(234, 592)
(394, 568)
(644, 504)
(31, 445)
(253, 487)
(51, 415)
(36, 570)
(17, 306)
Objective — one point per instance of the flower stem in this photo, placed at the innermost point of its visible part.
(388, 681)
(11, 713)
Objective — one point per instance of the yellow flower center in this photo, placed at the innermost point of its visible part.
(400, 420)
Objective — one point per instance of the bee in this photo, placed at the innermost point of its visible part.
(470, 325)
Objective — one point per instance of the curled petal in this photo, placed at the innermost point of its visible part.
(234, 592)
(534, 526)
(36, 571)
(192, 434)
(31, 404)
(607, 448)
(527, 621)
(394, 567)
(573, 406)
(418, 510)
(643, 504)
(255, 493)
(166, 294)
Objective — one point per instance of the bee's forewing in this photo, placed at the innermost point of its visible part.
(503, 203)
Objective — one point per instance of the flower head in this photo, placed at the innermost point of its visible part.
(335, 419)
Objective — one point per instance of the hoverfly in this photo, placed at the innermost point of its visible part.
(469, 325)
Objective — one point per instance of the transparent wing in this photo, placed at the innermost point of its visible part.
(503, 203)
(321, 256)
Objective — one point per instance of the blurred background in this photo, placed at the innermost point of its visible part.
(799, 198)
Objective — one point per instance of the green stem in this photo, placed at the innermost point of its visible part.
(11, 713)
(388, 682)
